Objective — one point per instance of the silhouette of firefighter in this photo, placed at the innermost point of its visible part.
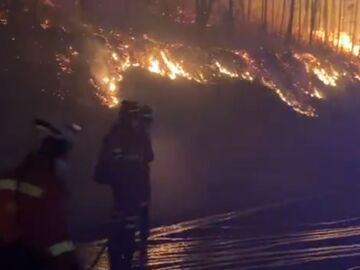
(124, 165)
(146, 118)
(33, 230)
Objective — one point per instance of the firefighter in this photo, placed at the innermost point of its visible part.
(119, 167)
(35, 208)
(147, 156)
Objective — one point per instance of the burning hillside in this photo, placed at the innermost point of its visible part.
(226, 113)
(296, 76)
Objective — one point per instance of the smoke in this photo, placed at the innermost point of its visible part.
(209, 143)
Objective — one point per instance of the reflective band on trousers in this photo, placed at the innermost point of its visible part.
(61, 248)
(8, 184)
(25, 188)
(31, 190)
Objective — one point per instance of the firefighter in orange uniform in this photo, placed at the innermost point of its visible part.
(34, 231)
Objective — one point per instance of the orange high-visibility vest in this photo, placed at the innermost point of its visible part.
(36, 207)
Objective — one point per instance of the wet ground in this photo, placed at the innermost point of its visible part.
(322, 232)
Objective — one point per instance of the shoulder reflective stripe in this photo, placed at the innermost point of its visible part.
(61, 248)
(8, 184)
(30, 190)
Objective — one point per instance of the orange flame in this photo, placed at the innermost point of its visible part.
(197, 65)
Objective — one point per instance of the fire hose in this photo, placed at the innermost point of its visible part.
(98, 256)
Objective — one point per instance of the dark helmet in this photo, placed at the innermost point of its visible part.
(129, 105)
(128, 108)
(57, 143)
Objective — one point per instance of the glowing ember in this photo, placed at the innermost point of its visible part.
(73, 52)
(247, 76)
(64, 63)
(46, 24)
(298, 107)
(154, 66)
(174, 69)
(64, 60)
(323, 71)
(225, 71)
(112, 86)
(326, 77)
(114, 102)
(317, 94)
(115, 57)
(4, 17)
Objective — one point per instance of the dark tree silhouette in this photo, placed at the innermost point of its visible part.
(231, 15)
(341, 6)
(283, 12)
(300, 20)
(203, 12)
(305, 24)
(313, 15)
(249, 10)
(355, 26)
(264, 15)
(242, 12)
(291, 21)
(14, 9)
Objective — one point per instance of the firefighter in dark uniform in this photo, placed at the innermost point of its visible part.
(147, 156)
(124, 165)
(119, 166)
(34, 231)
